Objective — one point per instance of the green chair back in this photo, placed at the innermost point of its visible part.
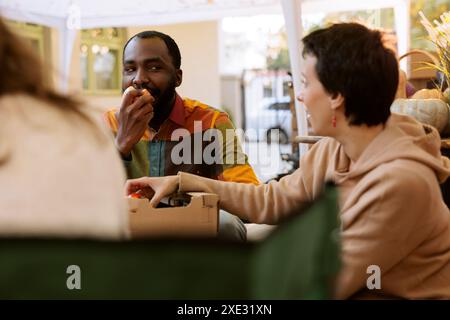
(297, 261)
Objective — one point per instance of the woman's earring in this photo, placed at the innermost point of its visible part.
(333, 121)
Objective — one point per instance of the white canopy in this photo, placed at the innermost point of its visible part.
(71, 15)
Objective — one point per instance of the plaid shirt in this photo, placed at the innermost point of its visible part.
(153, 155)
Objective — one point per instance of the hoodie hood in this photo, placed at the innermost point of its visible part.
(403, 138)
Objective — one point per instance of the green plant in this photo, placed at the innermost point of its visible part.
(439, 35)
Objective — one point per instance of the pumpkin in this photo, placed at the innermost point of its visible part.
(447, 95)
(428, 94)
(434, 112)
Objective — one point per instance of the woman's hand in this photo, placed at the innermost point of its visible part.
(154, 188)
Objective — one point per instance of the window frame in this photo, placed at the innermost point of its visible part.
(30, 31)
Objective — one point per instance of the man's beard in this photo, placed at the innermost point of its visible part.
(163, 100)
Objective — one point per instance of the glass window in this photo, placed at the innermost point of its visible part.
(384, 18)
(105, 62)
(267, 87)
(100, 59)
(374, 18)
(84, 66)
(267, 91)
(286, 89)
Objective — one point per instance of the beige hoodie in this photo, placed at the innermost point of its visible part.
(392, 212)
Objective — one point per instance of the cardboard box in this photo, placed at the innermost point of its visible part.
(190, 215)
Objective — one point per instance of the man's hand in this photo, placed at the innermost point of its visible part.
(153, 188)
(133, 117)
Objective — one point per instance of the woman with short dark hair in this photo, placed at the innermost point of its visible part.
(387, 168)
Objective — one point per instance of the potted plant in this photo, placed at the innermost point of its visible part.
(431, 106)
(439, 35)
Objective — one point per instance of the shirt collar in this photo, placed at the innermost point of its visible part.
(177, 113)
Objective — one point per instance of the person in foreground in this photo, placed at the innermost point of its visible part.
(60, 174)
(387, 167)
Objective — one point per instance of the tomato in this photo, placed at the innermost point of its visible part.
(135, 196)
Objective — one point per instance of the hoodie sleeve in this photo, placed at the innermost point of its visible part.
(385, 225)
(258, 204)
(268, 203)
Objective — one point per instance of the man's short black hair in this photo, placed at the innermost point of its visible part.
(171, 45)
(352, 61)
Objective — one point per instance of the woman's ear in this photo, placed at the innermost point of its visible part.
(336, 101)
